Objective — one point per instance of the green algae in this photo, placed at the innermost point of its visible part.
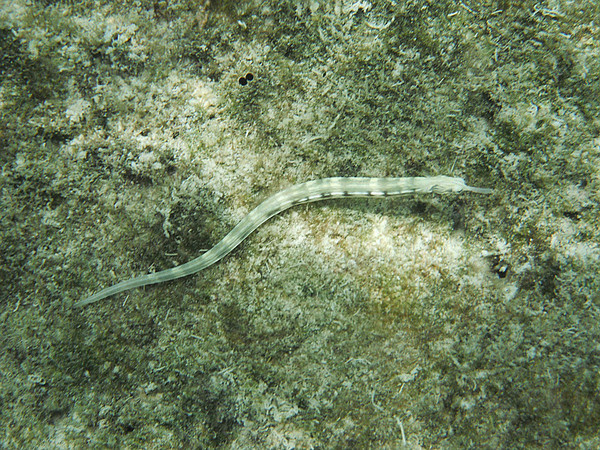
(129, 145)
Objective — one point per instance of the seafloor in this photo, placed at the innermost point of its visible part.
(129, 145)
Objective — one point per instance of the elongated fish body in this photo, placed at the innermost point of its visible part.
(311, 191)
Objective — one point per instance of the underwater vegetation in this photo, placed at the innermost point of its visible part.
(129, 144)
